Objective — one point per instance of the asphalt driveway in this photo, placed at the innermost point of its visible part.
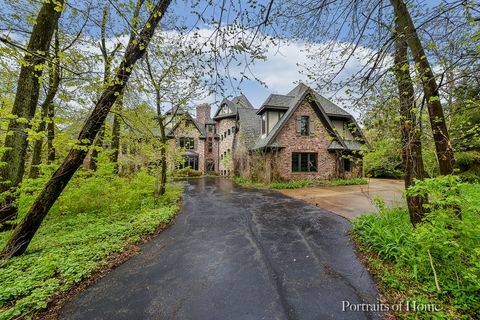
(236, 253)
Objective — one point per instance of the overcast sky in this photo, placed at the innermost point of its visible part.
(282, 68)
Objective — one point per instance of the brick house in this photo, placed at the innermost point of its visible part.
(300, 135)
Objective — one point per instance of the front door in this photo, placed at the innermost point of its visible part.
(210, 166)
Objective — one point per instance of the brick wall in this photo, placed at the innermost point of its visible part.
(293, 142)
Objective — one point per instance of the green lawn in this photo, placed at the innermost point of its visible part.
(437, 262)
(95, 217)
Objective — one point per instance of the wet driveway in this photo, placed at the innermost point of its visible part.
(236, 253)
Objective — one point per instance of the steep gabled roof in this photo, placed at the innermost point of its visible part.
(188, 117)
(176, 110)
(327, 105)
(302, 92)
(276, 101)
(242, 102)
(237, 103)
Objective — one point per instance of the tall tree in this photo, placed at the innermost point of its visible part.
(162, 126)
(25, 231)
(438, 124)
(107, 65)
(116, 126)
(47, 105)
(26, 99)
(411, 142)
(51, 134)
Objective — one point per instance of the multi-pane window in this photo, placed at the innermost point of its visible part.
(304, 123)
(210, 144)
(187, 143)
(210, 127)
(304, 162)
(346, 165)
(189, 161)
(264, 123)
(225, 110)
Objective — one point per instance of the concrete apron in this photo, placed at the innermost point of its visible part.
(351, 201)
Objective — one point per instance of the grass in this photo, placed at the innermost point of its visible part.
(401, 257)
(300, 183)
(94, 218)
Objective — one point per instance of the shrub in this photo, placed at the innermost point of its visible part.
(310, 183)
(468, 163)
(450, 244)
(187, 172)
(98, 214)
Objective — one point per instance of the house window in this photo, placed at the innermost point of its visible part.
(187, 143)
(304, 162)
(210, 127)
(189, 161)
(228, 131)
(210, 146)
(233, 130)
(304, 122)
(225, 110)
(264, 123)
(346, 165)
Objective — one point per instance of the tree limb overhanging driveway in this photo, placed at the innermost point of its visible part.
(236, 253)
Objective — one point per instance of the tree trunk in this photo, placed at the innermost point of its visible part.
(411, 142)
(441, 137)
(53, 84)
(163, 155)
(116, 127)
(26, 97)
(37, 145)
(51, 134)
(24, 105)
(25, 231)
(96, 150)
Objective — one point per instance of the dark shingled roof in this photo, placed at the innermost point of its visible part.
(237, 103)
(291, 101)
(327, 105)
(250, 125)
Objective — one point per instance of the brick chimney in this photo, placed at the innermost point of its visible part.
(203, 112)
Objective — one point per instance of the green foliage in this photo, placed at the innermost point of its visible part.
(385, 161)
(311, 183)
(249, 183)
(453, 244)
(300, 183)
(187, 172)
(97, 215)
(468, 163)
(443, 192)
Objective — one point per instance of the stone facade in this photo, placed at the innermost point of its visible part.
(226, 132)
(236, 142)
(187, 129)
